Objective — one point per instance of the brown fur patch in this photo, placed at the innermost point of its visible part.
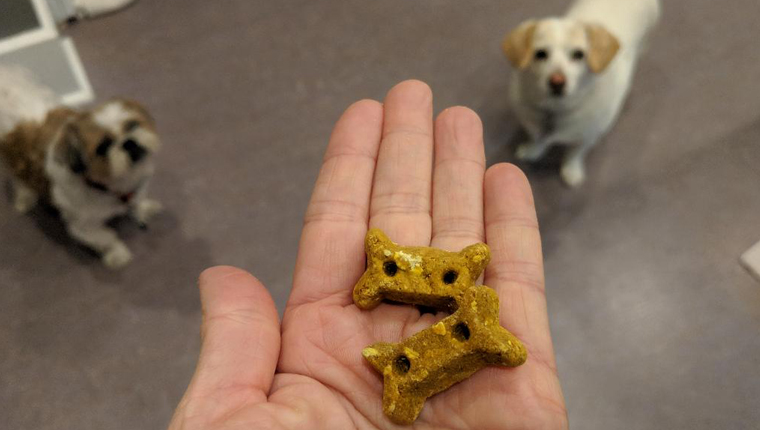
(603, 47)
(517, 45)
(25, 147)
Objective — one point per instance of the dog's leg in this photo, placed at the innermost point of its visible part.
(143, 209)
(533, 151)
(540, 142)
(24, 198)
(114, 253)
(573, 170)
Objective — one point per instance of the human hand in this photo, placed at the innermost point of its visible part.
(424, 184)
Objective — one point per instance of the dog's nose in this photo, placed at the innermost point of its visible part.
(135, 151)
(557, 83)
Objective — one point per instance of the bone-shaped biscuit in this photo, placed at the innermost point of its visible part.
(449, 351)
(444, 354)
(417, 275)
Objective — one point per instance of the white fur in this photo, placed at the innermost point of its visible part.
(119, 161)
(111, 116)
(629, 20)
(147, 139)
(22, 98)
(592, 102)
(84, 209)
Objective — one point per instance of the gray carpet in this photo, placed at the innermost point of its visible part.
(655, 322)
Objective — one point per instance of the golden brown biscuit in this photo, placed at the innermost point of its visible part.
(444, 354)
(417, 275)
(452, 349)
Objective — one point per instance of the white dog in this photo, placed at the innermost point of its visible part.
(573, 75)
(91, 165)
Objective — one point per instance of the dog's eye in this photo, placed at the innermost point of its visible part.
(131, 126)
(578, 55)
(103, 146)
(541, 54)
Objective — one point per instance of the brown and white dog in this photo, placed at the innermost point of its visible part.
(91, 165)
(574, 73)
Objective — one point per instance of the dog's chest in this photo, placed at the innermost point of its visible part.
(567, 126)
(87, 202)
(552, 123)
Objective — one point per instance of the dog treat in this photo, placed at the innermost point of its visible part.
(444, 354)
(448, 351)
(417, 275)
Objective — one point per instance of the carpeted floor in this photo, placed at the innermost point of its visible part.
(654, 320)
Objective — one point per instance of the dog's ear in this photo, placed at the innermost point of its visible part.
(68, 150)
(602, 47)
(518, 44)
(74, 154)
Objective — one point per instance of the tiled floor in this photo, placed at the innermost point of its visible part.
(654, 320)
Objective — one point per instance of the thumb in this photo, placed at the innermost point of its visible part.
(240, 338)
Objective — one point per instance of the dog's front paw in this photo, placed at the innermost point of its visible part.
(117, 256)
(529, 152)
(147, 209)
(573, 174)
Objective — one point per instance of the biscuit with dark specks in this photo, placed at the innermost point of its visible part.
(447, 352)
(440, 356)
(417, 275)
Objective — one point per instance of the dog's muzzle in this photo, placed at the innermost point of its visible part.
(557, 83)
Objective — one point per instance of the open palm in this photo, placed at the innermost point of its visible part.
(425, 184)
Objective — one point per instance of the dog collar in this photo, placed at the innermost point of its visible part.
(124, 198)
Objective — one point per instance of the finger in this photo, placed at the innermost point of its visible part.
(400, 203)
(516, 270)
(458, 180)
(240, 338)
(331, 252)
